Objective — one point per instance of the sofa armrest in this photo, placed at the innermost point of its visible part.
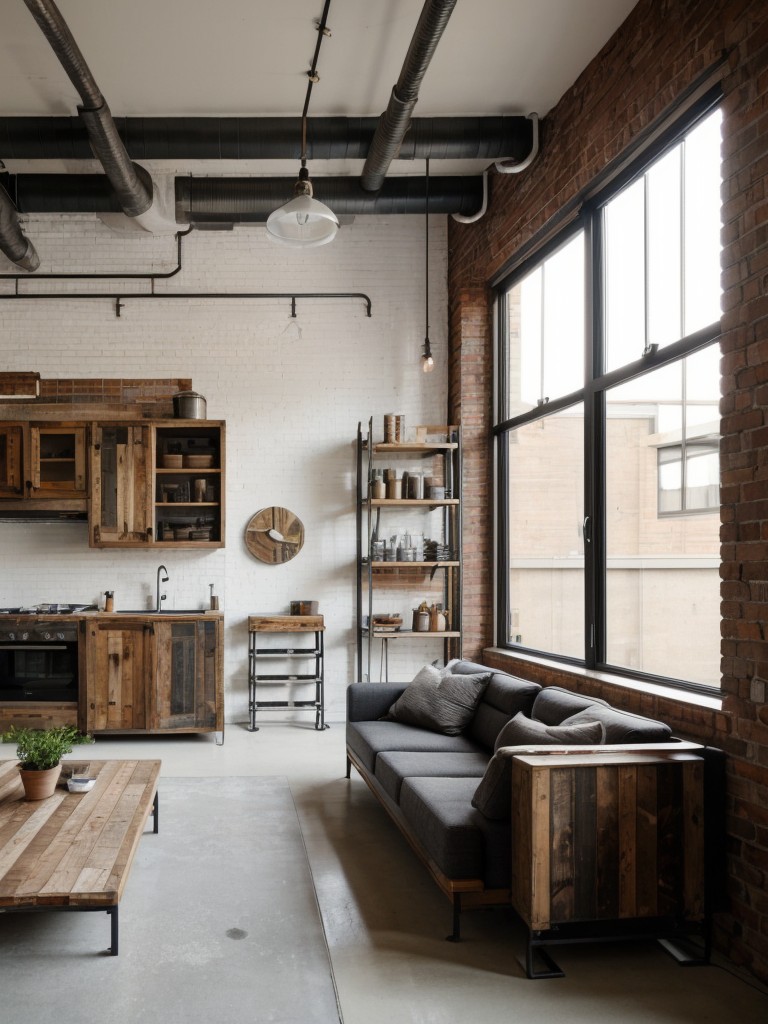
(366, 702)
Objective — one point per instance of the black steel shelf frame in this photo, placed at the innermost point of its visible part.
(256, 654)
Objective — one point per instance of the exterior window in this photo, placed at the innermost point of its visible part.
(609, 493)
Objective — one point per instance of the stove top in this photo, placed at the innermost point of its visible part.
(50, 609)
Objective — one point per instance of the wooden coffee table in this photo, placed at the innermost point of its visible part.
(73, 851)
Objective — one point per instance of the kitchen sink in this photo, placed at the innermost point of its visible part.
(165, 611)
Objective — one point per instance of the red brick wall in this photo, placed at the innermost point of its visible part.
(663, 47)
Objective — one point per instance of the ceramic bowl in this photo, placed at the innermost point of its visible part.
(80, 784)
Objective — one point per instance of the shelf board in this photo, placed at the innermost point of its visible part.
(444, 564)
(186, 470)
(409, 634)
(413, 448)
(412, 502)
(186, 504)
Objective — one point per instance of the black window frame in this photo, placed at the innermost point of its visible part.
(596, 385)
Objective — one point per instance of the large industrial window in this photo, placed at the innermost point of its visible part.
(608, 430)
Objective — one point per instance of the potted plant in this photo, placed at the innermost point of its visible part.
(39, 752)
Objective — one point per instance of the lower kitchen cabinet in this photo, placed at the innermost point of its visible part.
(186, 696)
(118, 668)
(154, 674)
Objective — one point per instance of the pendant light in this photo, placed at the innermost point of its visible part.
(427, 362)
(304, 221)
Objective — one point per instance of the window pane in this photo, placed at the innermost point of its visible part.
(625, 276)
(662, 249)
(546, 544)
(662, 571)
(702, 224)
(545, 316)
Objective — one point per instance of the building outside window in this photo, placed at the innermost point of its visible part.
(609, 427)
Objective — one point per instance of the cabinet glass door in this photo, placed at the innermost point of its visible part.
(57, 461)
(185, 655)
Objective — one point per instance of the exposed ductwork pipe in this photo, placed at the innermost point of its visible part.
(134, 196)
(13, 242)
(393, 123)
(226, 201)
(268, 138)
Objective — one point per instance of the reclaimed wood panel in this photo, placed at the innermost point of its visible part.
(607, 841)
(73, 849)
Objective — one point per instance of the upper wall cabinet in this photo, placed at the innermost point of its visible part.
(160, 484)
(11, 461)
(43, 465)
(121, 485)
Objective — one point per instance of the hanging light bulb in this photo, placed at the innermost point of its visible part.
(304, 221)
(427, 362)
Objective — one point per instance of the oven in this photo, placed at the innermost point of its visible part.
(38, 660)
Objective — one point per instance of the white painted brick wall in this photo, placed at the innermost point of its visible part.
(292, 393)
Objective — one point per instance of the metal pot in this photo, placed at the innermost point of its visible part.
(188, 405)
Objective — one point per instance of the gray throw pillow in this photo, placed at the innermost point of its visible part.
(428, 674)
(447, 707)
(521, 731)
(493, 796)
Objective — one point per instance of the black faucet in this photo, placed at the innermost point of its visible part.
(160, 579)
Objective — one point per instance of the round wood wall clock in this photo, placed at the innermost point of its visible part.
(274, 535)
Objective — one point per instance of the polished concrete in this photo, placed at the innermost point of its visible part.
(385, 921)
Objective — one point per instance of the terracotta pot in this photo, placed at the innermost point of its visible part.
(39, 784)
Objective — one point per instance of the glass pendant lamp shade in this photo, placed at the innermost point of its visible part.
(303, 221)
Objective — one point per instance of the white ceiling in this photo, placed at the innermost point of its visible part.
(249, 57)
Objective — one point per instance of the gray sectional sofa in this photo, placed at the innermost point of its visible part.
(428, 780)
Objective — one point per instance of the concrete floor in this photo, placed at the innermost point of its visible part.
(385, 920)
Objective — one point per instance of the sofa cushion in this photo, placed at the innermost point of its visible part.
(447, 707)
(442, 819)
(553, 704)
(504, 697)
(392, 766)
(366, 739)
(493, 796)
(622, 726)
(522, 731)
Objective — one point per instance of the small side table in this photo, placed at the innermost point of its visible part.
(259, 655)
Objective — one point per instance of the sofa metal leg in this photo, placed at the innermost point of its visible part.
(349, 768)
(455, 935)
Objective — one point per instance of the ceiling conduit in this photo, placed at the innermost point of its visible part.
(393, 123)
(13, 242)
(134, 196)
(268, 138)
(226, 201)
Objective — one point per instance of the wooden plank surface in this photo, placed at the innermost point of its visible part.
(73, 849)
(285, 623)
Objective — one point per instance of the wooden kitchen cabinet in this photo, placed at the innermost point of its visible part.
(120, 509)
(186, 693)
(154, 673)
(43, 463)
(118, 668)
(57, 461)
(11, 460)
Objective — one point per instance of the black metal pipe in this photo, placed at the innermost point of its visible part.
(134, 196)
(13, 242)
(393, 123)
(268, 138)
(201, 200)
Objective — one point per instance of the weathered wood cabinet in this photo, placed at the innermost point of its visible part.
(156, 673)
(607, 839)
(186, 697)
(120, 511)
(43, 465)
(118, 674)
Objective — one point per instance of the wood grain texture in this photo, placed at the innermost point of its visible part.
(73, 849)
(284, 524)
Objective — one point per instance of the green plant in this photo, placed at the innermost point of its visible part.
(39, 749)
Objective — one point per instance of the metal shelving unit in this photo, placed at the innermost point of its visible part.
(407, 575)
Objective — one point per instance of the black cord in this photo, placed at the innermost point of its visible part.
(312, 74)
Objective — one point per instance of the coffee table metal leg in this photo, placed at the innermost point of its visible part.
(113, 947)
(156, 813)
